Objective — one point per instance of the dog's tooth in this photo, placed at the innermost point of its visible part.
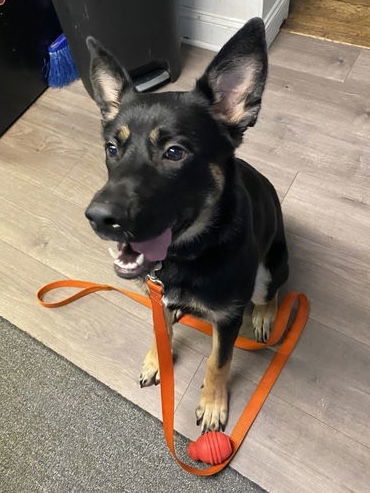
(131, 265)
(128, 266)
(140, 259)
(112, 253)
(119, 263)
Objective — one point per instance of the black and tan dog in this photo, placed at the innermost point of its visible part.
(176, 194)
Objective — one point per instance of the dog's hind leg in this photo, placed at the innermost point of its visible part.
(271, 274)
(263, 317)
(150, 370)
(212, 411)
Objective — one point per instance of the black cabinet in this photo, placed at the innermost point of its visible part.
(27, 27)
(142, 34)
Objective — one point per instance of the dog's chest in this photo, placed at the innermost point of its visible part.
(183, 300)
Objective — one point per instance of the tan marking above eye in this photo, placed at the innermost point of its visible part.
(153, 136)
(124, 133)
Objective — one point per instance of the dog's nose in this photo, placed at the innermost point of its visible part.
(103, 216)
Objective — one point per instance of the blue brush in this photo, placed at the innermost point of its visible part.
(61, 68)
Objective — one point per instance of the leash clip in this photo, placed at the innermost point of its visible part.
(153, 276)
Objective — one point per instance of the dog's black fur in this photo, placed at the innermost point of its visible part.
(231, 208)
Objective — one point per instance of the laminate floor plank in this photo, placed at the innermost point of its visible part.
(328, 60)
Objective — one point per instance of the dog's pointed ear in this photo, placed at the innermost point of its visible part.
(235, 79)
(110, 82)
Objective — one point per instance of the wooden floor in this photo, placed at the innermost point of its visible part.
(312, 141)
(345, 21)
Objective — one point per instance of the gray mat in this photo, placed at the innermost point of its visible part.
(63, 431)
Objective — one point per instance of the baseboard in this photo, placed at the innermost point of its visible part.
(206, 30)
(275, 18)
(211, 31)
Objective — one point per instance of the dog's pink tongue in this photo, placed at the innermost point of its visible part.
(156, 248)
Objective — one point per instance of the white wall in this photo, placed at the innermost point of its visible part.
(210, 23)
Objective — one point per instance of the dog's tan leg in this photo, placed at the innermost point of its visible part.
(150, 369)
(212, 411)
(263, 317)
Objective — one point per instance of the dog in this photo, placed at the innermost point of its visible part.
(179, 202)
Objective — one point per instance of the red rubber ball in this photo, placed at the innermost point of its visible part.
(213, 448)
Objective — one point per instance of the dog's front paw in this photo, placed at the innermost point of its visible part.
(263, 317)
(150, 371)
(212, 411)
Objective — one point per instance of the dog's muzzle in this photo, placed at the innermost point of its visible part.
(132, 259)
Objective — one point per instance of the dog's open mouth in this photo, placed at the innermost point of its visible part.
(134, 259)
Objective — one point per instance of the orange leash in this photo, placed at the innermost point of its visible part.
(265, 385)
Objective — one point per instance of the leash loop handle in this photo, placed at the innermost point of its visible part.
(86, 288)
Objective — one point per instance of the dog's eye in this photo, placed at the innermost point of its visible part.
(174, 153)
(111, 149)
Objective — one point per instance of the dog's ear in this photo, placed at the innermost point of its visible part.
(110, 82)
(235, 79)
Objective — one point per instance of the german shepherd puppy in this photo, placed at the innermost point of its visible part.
(179, 201)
